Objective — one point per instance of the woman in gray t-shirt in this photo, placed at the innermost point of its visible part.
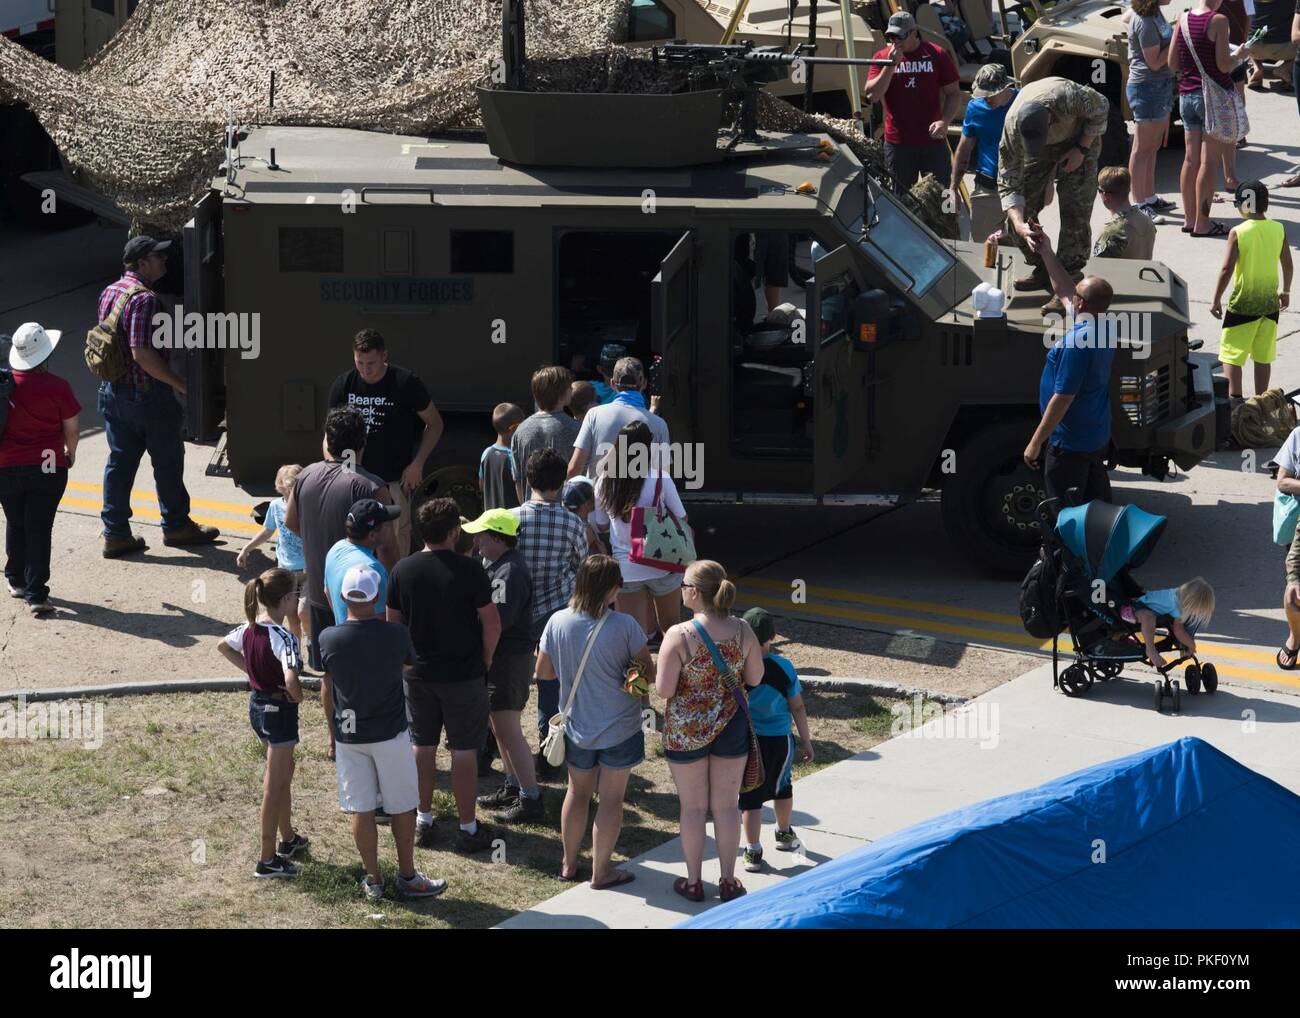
(603, 737)
(1150, 94)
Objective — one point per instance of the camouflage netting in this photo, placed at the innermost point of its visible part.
(142, 122)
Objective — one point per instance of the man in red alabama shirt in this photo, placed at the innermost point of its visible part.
(920, 93)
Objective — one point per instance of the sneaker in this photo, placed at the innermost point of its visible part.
(191, 533)
(1152, 213)
(373, 892)
(523, 811)
(276, 868)
(289, 849)
(1160, 204)
(16, 591)
(419, 886)
(480, 840)
(116, 547)
(40, 607)
(503, 798)
(426, 835)
(753, 859)
(787, 840)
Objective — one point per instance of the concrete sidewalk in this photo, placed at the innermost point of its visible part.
(1030, 735)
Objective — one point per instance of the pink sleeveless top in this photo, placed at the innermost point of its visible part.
(1189, 78)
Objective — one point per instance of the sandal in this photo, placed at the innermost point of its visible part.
(617, 879)
(577, 876)
(691, 892)
(1291, 181)
(1286, 658)
(729, 888)
(1216, 229)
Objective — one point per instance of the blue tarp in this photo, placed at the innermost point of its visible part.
(1190, 837)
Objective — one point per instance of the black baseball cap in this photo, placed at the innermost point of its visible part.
(1034, 120)
(367, 515)
(138, 247)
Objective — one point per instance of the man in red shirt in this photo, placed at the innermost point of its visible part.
(921, 97)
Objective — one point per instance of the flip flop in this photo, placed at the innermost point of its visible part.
(1216, 230)
(568, 880)
(617, 879)
(1286, 654)
(1291, 181)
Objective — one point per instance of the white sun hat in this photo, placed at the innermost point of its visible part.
(31, 346)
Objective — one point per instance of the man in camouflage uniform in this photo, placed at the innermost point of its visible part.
(1052, 133)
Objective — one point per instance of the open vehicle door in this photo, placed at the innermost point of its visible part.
(672, 338)
(204, 372)
(840, 393)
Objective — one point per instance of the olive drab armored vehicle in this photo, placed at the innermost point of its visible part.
(584, 219)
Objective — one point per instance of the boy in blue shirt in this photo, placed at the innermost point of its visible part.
(772, 706)
(358, 550)
(981, 133)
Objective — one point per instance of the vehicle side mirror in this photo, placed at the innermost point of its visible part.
(870, 320)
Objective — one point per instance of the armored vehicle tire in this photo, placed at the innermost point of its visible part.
(1115, 143)
(457, 482)
(1209, 678)
(1192, 676)
(989, 499)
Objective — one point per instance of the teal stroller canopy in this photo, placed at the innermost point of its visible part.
(1107, 538)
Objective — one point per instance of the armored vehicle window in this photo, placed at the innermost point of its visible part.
(902, 245)
(311, 249)
(482, 251)
(649, 19)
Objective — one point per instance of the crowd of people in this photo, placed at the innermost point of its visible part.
(547, 587)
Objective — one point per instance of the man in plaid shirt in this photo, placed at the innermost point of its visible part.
(141, 413)
(553, 542)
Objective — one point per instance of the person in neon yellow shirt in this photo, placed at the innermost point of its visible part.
(1255, 249)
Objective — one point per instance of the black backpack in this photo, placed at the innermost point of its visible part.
(1038, 597)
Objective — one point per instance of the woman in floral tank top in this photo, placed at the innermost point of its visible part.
(706, 734)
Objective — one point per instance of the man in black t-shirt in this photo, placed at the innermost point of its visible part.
(398, 413)
(446, 600)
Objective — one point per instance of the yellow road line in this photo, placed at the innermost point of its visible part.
(149, 496)
(839, 594)
(152, 514)
(1021, 641)
(998, 618)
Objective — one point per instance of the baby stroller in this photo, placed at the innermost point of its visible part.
(1092, 547)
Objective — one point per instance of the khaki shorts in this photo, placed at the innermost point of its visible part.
(373, 772)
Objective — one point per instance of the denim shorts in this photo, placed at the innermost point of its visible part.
(1191, 108)
(730, 743)
(274, 721)
(1150, 100)
(626, 754)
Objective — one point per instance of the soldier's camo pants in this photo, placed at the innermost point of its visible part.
(1075, 194)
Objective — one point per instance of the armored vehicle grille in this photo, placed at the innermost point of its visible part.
(1147, 397)
(955, 349)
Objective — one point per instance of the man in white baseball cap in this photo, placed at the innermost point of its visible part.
(364, 699)
(39, 444)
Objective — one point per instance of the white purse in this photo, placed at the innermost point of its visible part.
(1225, 109)
(553, 744)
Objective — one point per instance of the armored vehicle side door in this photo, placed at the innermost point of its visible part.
(840, 373)
(672, 337)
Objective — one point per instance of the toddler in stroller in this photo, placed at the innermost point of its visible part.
(1088, 552)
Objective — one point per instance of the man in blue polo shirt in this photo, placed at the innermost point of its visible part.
(1074, 391)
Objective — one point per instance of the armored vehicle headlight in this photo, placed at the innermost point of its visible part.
(1030, 44)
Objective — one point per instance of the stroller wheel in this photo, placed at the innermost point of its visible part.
(1159, 689)
(1209, 677)
(1075, 680)
(1192, 676)
(1178, 697)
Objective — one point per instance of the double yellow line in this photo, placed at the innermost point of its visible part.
(1002, 629)
(245, 525)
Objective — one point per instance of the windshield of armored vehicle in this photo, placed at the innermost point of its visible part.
(901, 245)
